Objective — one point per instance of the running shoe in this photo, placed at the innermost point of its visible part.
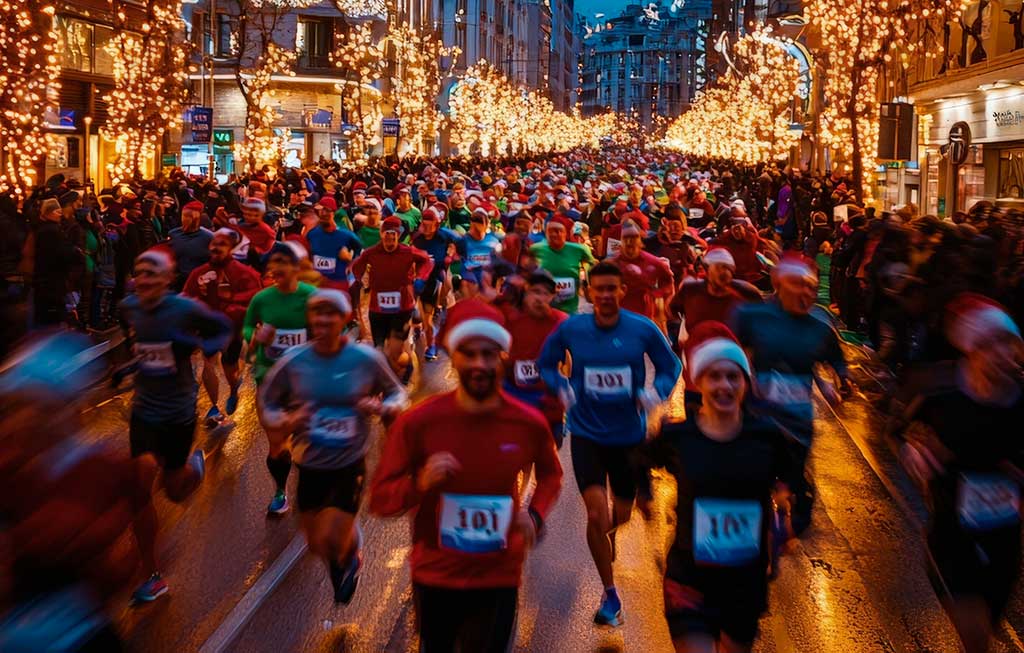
(232, 403)
(153, 588)
(198, 462)
(279, 504)
(222, 427)
(610, 612)
(213, 417)
(344, 580)
(431, 353)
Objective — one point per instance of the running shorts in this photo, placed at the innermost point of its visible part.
(465, 619)
(716, 600)
(384, 324)
(170, 443)
(331, 488)
(602, 465)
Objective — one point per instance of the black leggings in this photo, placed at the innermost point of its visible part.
(467, 621)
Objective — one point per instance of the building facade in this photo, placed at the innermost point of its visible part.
(649, 61)
(565, 47)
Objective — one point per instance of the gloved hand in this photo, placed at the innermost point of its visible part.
(417, 286)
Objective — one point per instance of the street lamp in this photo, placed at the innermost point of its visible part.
(85, 151)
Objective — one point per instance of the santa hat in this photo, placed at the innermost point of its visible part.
(973, 319)
(721, 256)
(391, 224)
(193, 206)
(359, 187)
(565, 222)
(328, 203)
(158, 257)
(230, 234)
(795, 265)
(255, 204)
(372, 201)
(333, 298)
(709, 343)
(431, 213)
(630, 228)
(472, 318)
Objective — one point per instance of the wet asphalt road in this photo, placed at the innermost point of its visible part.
(857, 581)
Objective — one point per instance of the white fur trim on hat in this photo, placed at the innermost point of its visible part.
(479, 328)
(255, 203)
(790, 268)
(719, 255)
(161, 260)
(335, 298)
(972, 328)
(713, 350)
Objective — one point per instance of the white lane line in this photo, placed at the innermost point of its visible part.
(236, 620)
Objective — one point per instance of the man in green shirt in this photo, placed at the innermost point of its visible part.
(407, 213)
(563, 260)
(369, 233)
(274, 323)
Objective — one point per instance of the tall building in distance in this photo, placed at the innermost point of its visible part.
(565, 47)
(649, 61)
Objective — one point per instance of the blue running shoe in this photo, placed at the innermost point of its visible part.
(232, 403)
(212, 418)
(610, 612)
(279, 504)
(344, 580)
(198, 462)
(153, 588)
(431, 353)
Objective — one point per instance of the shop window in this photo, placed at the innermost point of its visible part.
(104, 61)
(1011, 174)
(313, 42)
(75, 44)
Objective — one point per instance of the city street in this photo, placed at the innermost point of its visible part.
(242, 582)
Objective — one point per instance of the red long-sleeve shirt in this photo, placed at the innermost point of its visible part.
(493, 448)
(528, 337)
(647, 277)
(261, 235)
(392, 272)
(228, 288)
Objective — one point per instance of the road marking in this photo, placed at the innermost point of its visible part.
(240, 615)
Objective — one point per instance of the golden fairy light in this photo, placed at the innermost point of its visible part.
(28, 68)
(417, 83)
(260, 142)
(362, 56)
(746, 116)
(150, 76)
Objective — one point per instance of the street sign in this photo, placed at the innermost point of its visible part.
(959, 143)
(225, 137)
(202, 124)
(169, 160)
(391, 126)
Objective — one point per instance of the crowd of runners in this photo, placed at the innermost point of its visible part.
(572, 295)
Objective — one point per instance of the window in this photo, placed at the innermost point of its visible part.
(313, 43)
(225, 26)
(75, 44)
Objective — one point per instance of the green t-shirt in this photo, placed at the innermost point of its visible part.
(368, 236)
(341, 219)
(411, 219)
(286, 312)
(564, 265)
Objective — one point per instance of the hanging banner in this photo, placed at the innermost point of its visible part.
(390, 126)
(202, 124)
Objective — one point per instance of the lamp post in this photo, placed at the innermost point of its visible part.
(85, 151)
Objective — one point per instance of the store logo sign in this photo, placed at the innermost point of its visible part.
(1008, 118)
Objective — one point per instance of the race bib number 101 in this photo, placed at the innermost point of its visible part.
(608, 381)
(726, 532)
(475, 523)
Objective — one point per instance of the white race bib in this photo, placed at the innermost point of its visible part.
(285, 339)
(783, 389)
(475, 523)
(987, 501)
(696, 214)
(479, 260)
(389, 302)
(156, 358)
(608, 381)
(324, 263)
(726, 532)
(526, 373)
(332, 427)
(565, 288)
(614, 246)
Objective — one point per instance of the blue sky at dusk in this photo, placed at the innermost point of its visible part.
(609, 7)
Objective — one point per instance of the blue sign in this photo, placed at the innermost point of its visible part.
(391, 126)
(202, 124)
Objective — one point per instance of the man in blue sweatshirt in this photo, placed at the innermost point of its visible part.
(607, 404)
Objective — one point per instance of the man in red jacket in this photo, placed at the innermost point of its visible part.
(454, 461)
(225, 285)
(392, 267)
(648, 278)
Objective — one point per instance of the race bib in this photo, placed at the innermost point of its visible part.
(332, 427)
(479, 260)
(324, 263)
(608, 381)
(987, 501)
(285, 339)
(696, 214)
(389, 302)
(526, 373)
(726, 532)
(565, 288)
(475, 523)
(156, 358)
(784, 389)
(614, 246)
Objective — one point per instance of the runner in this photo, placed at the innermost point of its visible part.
(786, 342)
(392, 267)
(225, 286)
(332, 249)
(190, 242)
(530, 325)
(725, 464)
(479, 248)
(435, 242)
(274, 323)
(564, 261)
(648, 279)
(967, 467)
(167, 330)
(455, 461)
(606, 402)
(406, 212)
(321, 395)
